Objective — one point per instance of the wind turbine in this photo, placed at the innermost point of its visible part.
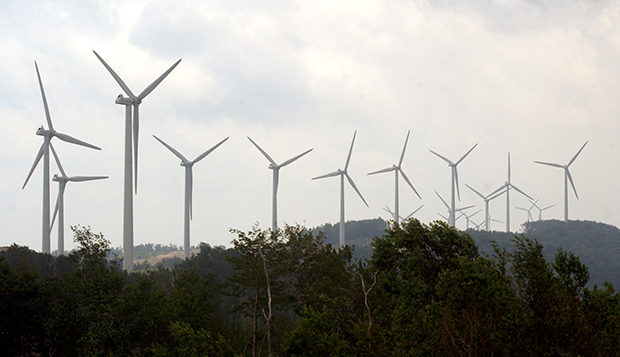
(529, 211)
(62, 180)
(450, 210)
(486, 200)
(387, 209)
(189, 183)
(455, 183)
(467, 217)
(508, 185)
(567, 177)
(44, 152)
(276, 178)
(128, 102)
(342, 174)
(540, 210)
(397, 169)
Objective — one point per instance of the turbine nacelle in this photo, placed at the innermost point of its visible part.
(126, 100)
(42, 132)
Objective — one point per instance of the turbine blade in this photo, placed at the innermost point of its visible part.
(383, 170)
(263, 152)
(521, 192)
(443, 158)
(497, 195)
(62, 171)
(467, 153)
(402, 155)
(502, 187)
(464, 208)
(570, 178)
(47, 110)
(442, 200)
(409, 182)
(549, 164)
(442, 216)
(136, 131)
(55, 210)
(553, 205)
(204, 154)
(34, 165)
(346, 165)
(72, 140)
(456, 181)
(155, 83)
(176, 153)
(355, 188)
(85, 178)
(476, 192)
(577, 154)
(335, 173)
(391, 213)
(414, 212)
(294, 158)
(116, 77)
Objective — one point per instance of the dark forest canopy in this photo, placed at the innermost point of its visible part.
(426, 290)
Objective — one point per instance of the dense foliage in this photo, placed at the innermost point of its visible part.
(426, 291)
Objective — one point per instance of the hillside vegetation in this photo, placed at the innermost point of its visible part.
(426, 290)
(596, 244)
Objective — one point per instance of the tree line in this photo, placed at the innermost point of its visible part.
(426, 291)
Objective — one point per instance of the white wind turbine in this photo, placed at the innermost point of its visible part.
(128, 102)
(276, 178)
(342, 174)
(455, 183)
(540, 210)
(467, 217)
(507, 186)
(189, 184)
(567, 177)
(486, 200)
(397, 169)
(387, 209)
(450, 210)
(44, 152)
(62, 180)
(529, 210)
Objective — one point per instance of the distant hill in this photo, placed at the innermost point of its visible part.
(596, 244)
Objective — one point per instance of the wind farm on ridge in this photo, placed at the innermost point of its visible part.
(131, 134)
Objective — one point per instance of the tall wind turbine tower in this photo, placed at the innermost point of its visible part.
(507, 186)
(486, 200)
(342, 174)
(44, 152)
(131, 101)
(189, 184)
(451, 210)
(397, 169)
(567, 177)
(62, 180)
(455, 183)
(276, 178)
(540, 210)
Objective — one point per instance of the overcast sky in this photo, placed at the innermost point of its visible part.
(534, 78)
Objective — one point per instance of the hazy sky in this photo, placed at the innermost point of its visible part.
(534, 78)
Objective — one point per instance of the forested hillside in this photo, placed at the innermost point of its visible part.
(596, 244)
(426, 290)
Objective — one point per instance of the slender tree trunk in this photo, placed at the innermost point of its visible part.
(366, 292)
(267, 317)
